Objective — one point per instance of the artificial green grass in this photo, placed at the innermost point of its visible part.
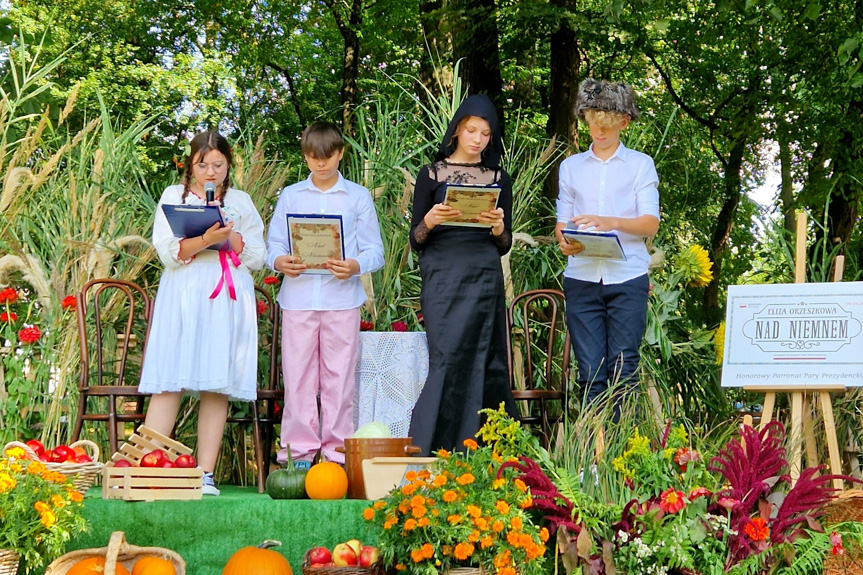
(207, 532)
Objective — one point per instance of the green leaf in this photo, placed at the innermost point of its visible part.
(848, 46)
(661, 25)
(813, 10)
(777, 13)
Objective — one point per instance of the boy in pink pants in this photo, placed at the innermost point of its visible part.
(321, 312)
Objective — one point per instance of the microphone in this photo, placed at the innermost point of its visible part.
(210, 191)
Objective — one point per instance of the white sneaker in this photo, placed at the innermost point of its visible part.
(209, 486)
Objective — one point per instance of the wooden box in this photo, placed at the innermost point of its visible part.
(150, 483)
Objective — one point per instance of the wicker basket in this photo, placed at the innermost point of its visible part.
(8, 562)
(376, 569)
(117, 552)
(84, 474)
(847, 506)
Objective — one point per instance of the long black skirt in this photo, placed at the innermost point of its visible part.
(464, 310)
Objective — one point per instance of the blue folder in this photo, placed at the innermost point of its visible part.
(193, 221)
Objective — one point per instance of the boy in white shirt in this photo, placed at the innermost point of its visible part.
(321, 313)
(608, 188)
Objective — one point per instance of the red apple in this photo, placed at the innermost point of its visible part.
(369, 555)
(320, 555)
(344, 556)
(185, 462)
(83, 458)
(45, 456)
(122, 463)
(62, 453)
(36, 446)
(168, 464)
(154, 459)
(355, 545)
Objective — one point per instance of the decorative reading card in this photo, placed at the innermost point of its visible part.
(471, 201)
(316, 238)
(597, 245)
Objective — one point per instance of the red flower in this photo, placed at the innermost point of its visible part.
(263, 308)
(271, 280)
(836, 540)
(698, 492)
(727, 502)
(366, 326)
(68, 302)
(8, 317)
(400, 326)
(29, 334)
(683, 456)
(8, 295)
(757, 529)
(672, 501)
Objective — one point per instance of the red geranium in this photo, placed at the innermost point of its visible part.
(672, 501)
(400, 326)
(836, 541)
(68, 302)
(271, 280)
(263, 308)
(757, 529)
(29, 334)
(683, 456)
(8, 317)
(698, 492)
(8, 295)
(366, 325)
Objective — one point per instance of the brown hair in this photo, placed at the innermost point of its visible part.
(605, 118)
(321, 140)
(201, 144)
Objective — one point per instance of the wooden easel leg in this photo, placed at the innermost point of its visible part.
(796, 438)
(767, 409)
(809, 432)
(832, 442)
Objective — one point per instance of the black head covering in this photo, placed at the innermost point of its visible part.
(478, 105)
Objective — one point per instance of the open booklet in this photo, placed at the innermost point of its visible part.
(316, 238)
(192, 221)
(471, 201)
(597, 245)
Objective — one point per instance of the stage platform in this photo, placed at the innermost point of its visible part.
(207, 532)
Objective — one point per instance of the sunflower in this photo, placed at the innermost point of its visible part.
(695, 265)
(719, 342)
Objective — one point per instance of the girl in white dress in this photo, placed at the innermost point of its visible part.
(204, 336)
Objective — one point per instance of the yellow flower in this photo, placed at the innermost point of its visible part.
(16, 452)
(719, 342)
(58, 501)
(7, 482)
(35, 468)
(470, 444)
(695, 266)
(498, 483)
(48, 519)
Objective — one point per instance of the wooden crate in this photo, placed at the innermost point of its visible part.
(150, 483)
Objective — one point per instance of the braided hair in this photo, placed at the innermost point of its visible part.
(201, 144)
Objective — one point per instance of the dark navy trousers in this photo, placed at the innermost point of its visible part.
(606, 323)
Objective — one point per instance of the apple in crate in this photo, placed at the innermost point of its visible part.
(122, 463)
(369, 555)
(355, 545)
(344, 556)
(168, 464)
(154, 459)
(185, 462)
(320, 555)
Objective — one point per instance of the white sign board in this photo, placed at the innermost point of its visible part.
(794, 335)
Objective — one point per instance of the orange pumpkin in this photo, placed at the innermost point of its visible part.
(326, 480)
(150, 565)
(258, 561)
(94, 566)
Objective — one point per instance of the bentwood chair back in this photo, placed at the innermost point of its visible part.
(538, 352)
(113, 325)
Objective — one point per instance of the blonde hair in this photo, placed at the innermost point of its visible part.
(604, 118)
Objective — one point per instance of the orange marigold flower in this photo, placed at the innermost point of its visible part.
(439, 480)
(526, 502)
(58, 501)
(449, 496)
(497, 526)
(524, 540)
(428, 550)
(443, 453)
(486, 542)
(463, 551)
(533, 551)
(543, 534)
(506, 571)
(473, 510)
(520, 485)
(423, 474)
(410, 524)
(417, 500)
(400, 567)
(435, 512)
(410, 475)
(516, 523)
(48, 519)
(498, 483)
(404, 507)
(470, 444)
(481, 523)
(474, 536)
(76, 496)
(368, 513)
(423, 522)
(380, 504)
(757, 529)
(513, 539)
(502, 507)
(35, 468)
(503, 559)
(453, 519)
(465, 479)
(417, 555)
(409, 489)
(419, 511)
(41, 506)
(446, 550)
(495, 456)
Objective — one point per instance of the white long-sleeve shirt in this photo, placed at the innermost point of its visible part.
(625, 186)
(362, 240)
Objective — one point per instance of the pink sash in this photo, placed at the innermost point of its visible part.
(226, 274)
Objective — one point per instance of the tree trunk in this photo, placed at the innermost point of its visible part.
(786, 188)
(349, 28)
(476, 44)
(725, 222)
(848, 191)
(563, 88)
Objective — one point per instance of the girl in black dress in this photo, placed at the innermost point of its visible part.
(462, 297)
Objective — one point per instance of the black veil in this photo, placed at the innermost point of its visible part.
(481, 106)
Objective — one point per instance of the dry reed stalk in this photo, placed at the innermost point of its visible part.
(48, 168)
(16, 179)
(70, 103)
(32, 272)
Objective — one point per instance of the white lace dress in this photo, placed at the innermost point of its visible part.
(197, 343)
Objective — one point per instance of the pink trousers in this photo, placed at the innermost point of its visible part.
(319, 356)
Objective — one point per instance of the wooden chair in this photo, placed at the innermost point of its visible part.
(113, 319)
(250, 413)
(538, 352)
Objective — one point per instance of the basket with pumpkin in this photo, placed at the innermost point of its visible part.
(119, 558)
